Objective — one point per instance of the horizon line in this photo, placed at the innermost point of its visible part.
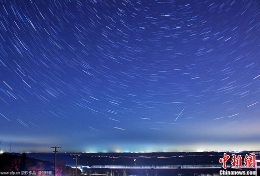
(62, 152)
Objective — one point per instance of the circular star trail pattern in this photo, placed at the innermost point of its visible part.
(99, 75)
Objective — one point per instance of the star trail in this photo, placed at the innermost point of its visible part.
(130, 75)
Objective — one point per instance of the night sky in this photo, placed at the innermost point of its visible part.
(129, 75)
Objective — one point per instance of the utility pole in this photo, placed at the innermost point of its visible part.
(76, 155)
(55, 151)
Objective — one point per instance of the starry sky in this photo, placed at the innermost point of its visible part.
(129, 75)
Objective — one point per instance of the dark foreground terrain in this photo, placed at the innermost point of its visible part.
(20, 164)
(126, 164)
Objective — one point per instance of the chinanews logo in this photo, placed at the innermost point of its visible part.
(237, 162)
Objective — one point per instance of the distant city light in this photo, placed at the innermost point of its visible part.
(200, 150)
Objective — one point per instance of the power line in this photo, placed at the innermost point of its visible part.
(55, 151)
(76, 155)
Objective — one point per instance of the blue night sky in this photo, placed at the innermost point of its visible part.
(129, 75)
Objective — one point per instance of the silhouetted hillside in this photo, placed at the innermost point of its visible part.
(16, 163)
